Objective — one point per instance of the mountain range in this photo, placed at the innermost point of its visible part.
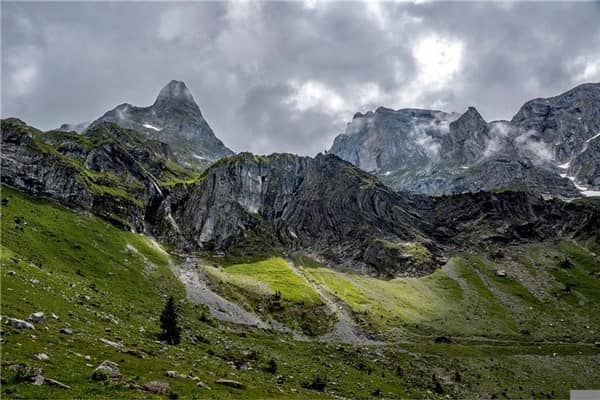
(142, 178)
(427, 254)
(550, 147)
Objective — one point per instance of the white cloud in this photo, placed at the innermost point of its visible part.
(533, 146)
(438, 60)
(590, 70)
(243, 42)
(376, 11)
(186, 23)
(315, 95)
(499, 132)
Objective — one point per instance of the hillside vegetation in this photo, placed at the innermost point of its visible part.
(529, 334)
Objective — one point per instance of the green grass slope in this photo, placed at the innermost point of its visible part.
(536, 300)
(105, 283)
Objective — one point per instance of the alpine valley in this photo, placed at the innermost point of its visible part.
(427, 254)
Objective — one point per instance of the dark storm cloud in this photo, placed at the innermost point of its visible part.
(288, 76)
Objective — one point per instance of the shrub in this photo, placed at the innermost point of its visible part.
(100, 375)
(317, 383)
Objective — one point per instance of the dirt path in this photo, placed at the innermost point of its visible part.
(345, 330)
(198, 292)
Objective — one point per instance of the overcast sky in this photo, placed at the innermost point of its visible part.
(289, 76)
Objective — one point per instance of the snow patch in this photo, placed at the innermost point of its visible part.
(592, 138)
(388, 173)
(147, 125)
(580, 188)
(590, 193)
(132, 248)
(584, 190)
(565, 165)
(199, 157)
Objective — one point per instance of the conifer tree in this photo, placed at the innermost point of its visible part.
(171, 333)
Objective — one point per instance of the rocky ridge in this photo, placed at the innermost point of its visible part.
(252, 204)
(549, 147)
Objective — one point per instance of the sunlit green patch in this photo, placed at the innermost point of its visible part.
(270, 276)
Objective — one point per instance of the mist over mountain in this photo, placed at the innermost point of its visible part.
(546, 148)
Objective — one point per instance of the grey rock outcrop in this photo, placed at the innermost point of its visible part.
(324, 205)
(107, 370)
(113, 172)
(348, 218)
(18, 323)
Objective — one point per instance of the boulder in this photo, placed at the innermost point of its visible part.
(158, 387)
(19, 323)
(37, 317)
(107, 370)
(501, 273)
(135, 353)
(175, 374)
(37, 376)
(66, 331)
(41, 356)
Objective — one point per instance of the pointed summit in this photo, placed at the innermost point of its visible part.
(175, 91)
(471, 122)
(175, 119)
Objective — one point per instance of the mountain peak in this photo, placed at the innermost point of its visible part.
(175, 119)
(175, 90)
(473, 113)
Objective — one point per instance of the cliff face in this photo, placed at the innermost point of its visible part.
(323, 205)
(349, 219)
(547, 148)
(29, 166)
(112, 172)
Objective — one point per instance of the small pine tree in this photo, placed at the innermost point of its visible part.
(171, 333)
(272, 366)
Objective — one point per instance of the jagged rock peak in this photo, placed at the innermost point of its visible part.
(471, 120)
(472, 113)
(175, 90)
